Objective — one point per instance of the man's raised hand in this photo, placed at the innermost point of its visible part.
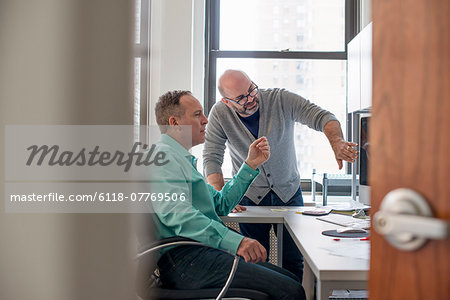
(258, 153)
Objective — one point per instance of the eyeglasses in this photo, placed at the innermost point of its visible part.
(240, 99)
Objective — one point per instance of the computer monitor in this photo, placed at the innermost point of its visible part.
(364, 160)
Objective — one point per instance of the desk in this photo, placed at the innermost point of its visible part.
(261, 214)
(331, 272)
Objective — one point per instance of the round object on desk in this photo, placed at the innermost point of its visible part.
(334, 233)
(315, 212)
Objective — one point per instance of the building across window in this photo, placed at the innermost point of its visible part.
(305, 53)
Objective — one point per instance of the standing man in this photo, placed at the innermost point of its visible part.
(182, 124)
(246, 113)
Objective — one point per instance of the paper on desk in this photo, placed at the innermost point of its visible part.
(278, 209)
(302, 209)
(359, 250)
(281, 209)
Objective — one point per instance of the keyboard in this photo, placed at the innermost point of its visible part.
(346, 221)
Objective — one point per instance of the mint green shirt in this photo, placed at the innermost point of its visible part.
(197, 217)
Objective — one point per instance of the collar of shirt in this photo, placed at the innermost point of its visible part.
(177, 148)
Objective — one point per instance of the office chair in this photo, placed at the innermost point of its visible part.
(150, 288)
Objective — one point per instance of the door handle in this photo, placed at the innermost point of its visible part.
(406, 220)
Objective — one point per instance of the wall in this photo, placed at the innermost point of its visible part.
(176, 48)
(64, 62)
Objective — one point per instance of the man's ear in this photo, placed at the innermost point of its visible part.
(173, 121)
(227, 103)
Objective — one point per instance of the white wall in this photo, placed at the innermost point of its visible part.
(176, 48)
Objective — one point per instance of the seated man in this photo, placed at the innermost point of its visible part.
(194, 208)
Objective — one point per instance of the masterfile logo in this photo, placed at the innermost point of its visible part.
(89, 169)
(47, 152)
(53, 156)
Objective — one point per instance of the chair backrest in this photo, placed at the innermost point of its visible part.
(144, 230)
(147, 278)
(177, 241)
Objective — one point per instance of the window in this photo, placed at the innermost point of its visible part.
(244, 25)
(314, 35)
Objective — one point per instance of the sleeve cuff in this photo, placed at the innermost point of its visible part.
(246, 173)
(211, 168)
(327, 119)
(231, 241)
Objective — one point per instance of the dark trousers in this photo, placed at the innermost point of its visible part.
(292, 258)
(198, 267)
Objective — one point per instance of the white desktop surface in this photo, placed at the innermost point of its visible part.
(331, 271)
(259, 214)
(307, 234)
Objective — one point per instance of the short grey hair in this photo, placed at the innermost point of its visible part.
(169, 105)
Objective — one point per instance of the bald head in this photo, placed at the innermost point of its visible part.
(239, 92)
(232, 82)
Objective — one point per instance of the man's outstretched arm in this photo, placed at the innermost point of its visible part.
(343, 150)
(258, 153)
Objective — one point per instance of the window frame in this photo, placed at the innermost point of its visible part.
(142, 50)
(213, 52)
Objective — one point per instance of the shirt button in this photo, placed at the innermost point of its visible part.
(271, 186)
(259, 197)
(268, 175)
(251, 175)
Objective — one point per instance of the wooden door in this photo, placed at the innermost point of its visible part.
(410, 138)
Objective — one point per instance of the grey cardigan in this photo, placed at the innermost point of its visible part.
(279, 110)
